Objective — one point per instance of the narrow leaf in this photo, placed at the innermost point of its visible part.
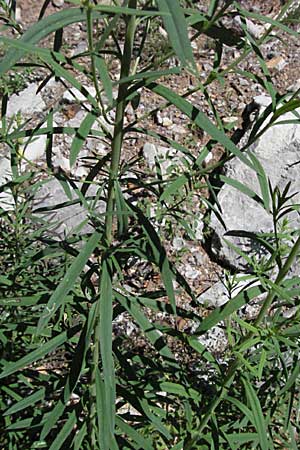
(59, 295)
(176, 26)
(81, 135)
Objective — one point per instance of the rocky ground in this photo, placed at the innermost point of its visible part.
(282, 59)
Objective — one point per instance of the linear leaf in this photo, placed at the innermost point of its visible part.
(133, 434)
(66, 430)
(105, 78)
(263, 181)
(242, 188)
(176, 26)
(59, 295)
(226, 310)
(173, 187)
(149, 329)
(40, 30)
(40, 352)
(76, 369)
(200, 119)
(257, 414)
(159, 253)
(109, 383)
(81, 135)
(25, 402)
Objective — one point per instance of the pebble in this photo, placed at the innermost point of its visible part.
(278, 63)
(230, 119)
(166, 122)
(18, 15)
(58, 3)
(178, 243)
(191, 273)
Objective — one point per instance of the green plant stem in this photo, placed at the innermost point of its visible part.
(235, 365)
(119, 122)
(110, 205)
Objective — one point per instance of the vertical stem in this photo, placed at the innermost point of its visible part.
(117, 142)
(119, 122)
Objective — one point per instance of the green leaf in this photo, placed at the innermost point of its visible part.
(79, 437)
(40, 352)
(257, 415)
(263, 181)
(76, 369)
(58, 297)
(159, 253)
(25, 402)
(199, 118)
(81, 135)
(292, 379)
(154, 336)
(109, 384)
(51, 58)
(176, 26)
(173, 187)
(105, 78)
(226, 310)
(242, 188)
(66, 430)
(133, 434)
(42, 29)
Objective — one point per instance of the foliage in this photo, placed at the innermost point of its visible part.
(69, 379)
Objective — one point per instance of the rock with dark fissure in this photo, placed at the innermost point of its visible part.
(278, 151)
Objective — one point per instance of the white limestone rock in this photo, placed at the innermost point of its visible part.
(278, 150)
(65, 220)
(27, 102)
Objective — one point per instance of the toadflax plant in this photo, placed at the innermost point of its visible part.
(106, 394)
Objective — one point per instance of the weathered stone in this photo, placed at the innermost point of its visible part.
(73, 94)
(64, 220)
(165, 156)
(58, 3)
(35, 149)
(278, 150)
(27, 102)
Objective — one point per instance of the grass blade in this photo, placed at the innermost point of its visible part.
(25, 402)
(66, 430)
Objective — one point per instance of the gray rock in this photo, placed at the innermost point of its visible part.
(27, 102)
(278, 150)
(64, 221)
(253, 29)
(220, 292)
(35, 149)
(73, 94)
(214, 340)
(167, 157)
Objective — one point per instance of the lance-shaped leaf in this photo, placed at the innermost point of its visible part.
(176, 27)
